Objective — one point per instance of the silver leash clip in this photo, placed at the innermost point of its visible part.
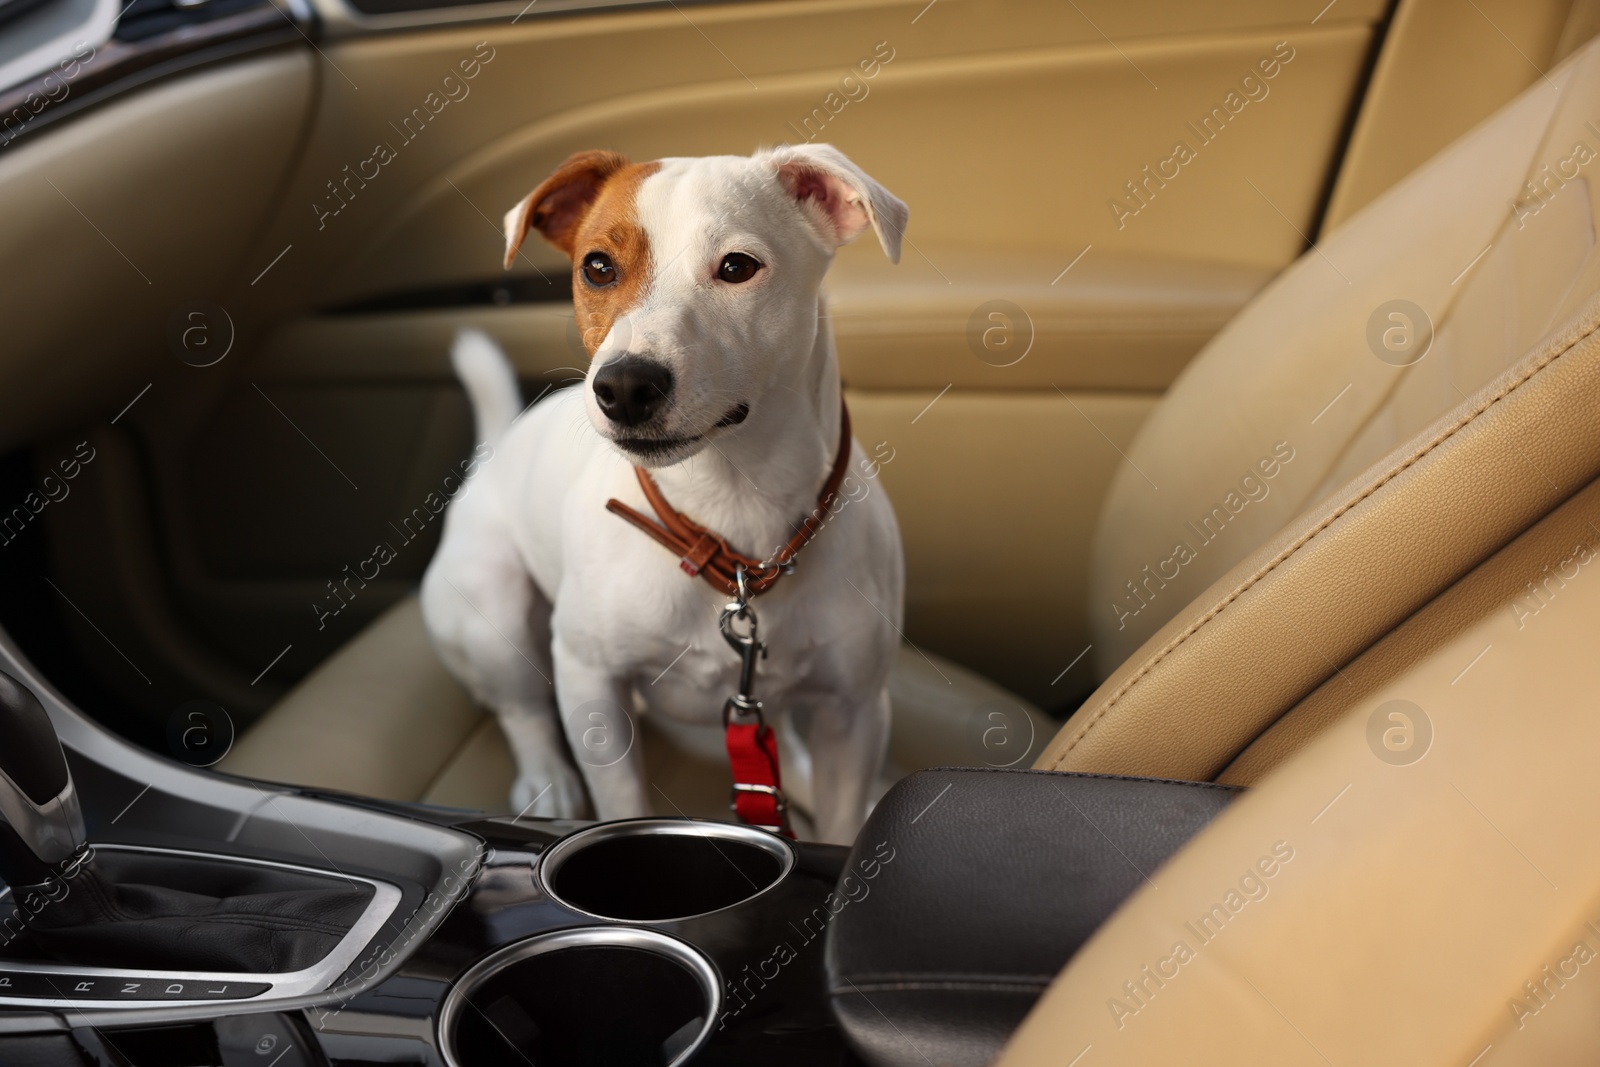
(747, 644)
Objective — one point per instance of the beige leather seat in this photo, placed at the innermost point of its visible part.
(1405, 671)
(382, 718)
(1292, 384)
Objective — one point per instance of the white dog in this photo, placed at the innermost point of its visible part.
(697, 288)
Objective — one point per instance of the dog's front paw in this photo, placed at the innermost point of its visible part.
(551, 793)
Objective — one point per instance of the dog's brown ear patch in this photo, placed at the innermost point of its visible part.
(561, 201)
(611, 226)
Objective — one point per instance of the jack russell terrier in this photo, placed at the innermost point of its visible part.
(713, 388)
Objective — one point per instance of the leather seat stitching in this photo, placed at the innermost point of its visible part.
(1216, 786)
(263, 923)
(1302, 541)
(238, 918)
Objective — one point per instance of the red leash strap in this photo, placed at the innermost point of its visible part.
(757, 786)
(752, 746)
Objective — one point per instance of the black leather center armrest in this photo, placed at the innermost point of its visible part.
(969, 889)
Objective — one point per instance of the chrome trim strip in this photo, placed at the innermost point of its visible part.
(313, 979)
(681, 952)
(120, 66)
(550, 861)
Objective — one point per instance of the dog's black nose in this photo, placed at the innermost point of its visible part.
(630, 389)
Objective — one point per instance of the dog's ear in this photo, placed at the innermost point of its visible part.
(559, 204)
(838, 198)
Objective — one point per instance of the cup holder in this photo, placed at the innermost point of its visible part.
(612, 996)
(654, 870)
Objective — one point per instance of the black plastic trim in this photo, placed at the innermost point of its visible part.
(499, 292)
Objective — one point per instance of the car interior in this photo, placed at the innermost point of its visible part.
(1236, 395)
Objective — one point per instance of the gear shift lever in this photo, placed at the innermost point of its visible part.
(145, 909)
(41, 825)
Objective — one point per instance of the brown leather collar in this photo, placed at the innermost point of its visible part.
(708, 555)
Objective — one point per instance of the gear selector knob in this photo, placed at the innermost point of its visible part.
(41, 824)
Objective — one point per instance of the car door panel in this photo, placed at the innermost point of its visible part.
(100, 254)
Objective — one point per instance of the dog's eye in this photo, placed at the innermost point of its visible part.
(598, 268)
(737, 267)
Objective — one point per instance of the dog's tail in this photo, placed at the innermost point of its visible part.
(490, 382)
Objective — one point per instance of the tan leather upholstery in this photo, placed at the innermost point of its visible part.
(1294, 375)
(1433, 912)
(382, 718)
(1420, 897)
(1350, 570)
(1520, 581)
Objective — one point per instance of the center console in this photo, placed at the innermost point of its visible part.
(158, 916)
(644, 942)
